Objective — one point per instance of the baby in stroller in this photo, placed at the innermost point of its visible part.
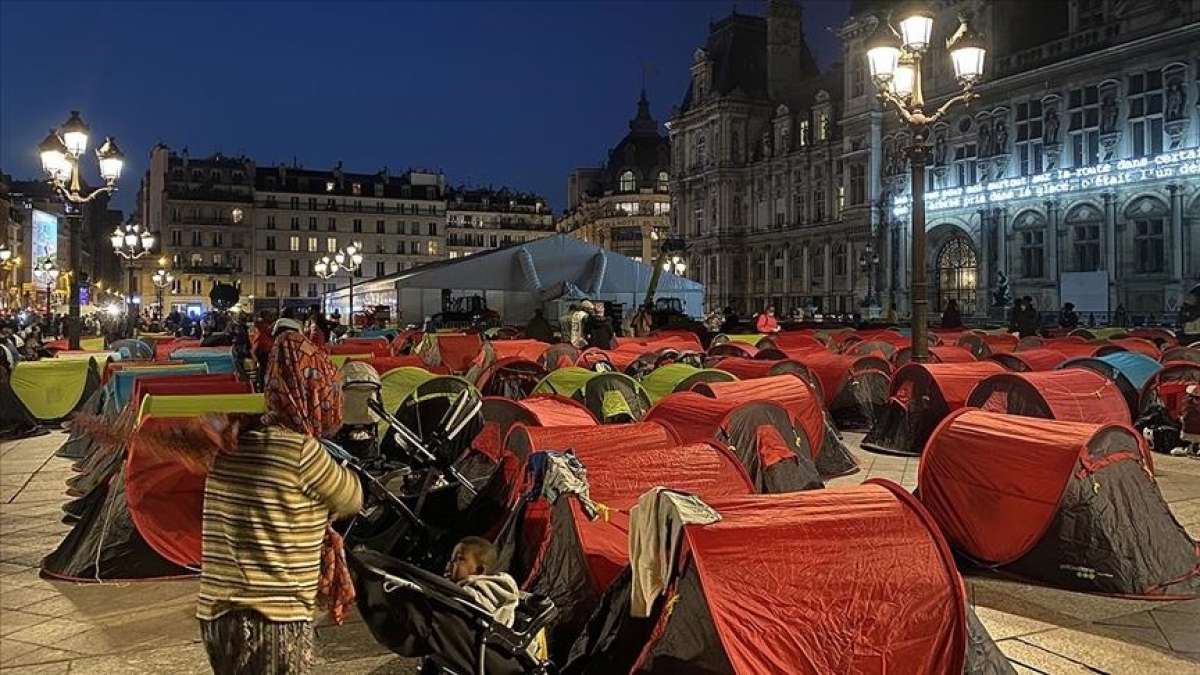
(359, 432)
(472, 566)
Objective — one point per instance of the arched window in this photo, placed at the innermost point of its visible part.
(956, 270)
(1148, 216)
(1031, 231)
(1083, 226)
(664, 180)
(627, 182)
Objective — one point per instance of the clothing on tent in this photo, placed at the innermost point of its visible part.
(654, 526)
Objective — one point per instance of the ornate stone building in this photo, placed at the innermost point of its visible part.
(624, 205)
(1077, 172)
(483, 219)
(770, 196)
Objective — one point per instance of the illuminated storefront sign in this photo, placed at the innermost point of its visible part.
(1177, 164)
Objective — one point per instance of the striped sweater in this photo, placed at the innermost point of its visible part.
(265, 510)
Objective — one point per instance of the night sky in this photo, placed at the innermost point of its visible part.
(501, 93)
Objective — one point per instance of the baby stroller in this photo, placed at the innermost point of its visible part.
(417, 613)
(359, 434)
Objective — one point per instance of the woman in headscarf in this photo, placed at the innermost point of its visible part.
(270, 492)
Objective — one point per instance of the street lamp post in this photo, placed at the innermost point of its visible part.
(45, 272)
(131, 243)
(61, 152)
(161, 280)
(894, 58)
(350, 259)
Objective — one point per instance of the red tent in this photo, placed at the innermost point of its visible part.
(1180, 354)
(879, 348)
(491, 467)
(555, 549)
(455, 351)
(759, 433)
(682, 340)
(921, 396)
(733, 348)
(806, 408)
(1030, 359)
(855, 387)
(753, 369)
(1069, 504)
(1073, 395)
(357, 345)
(383, 364)
(526, 349)
(221, 383)
(744, 597)
(405, 340)
(1073, 347)
(615, 438)
(1139, 345)
(163, 348)
(937, 354)
(1168, 387)
(1163, 337)
(792, 339)
(560, 355)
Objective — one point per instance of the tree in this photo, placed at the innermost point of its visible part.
(224, 296)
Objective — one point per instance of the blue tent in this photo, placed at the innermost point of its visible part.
(1129, 370)
(218, 359)
(122, 381)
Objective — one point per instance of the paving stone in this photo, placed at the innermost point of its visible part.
(1108, 650)
(39, 655)
(1038, 660)
(1181, 629)
(15, 620)
(181, 660)
(11, 650)
(376, 665)
(18, 597)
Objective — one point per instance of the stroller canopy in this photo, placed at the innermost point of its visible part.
(1129, 370)
(921, 396)
(675, 377)
(807, 412)
(360, 383)
(511, 377)
(1030, 359)
(723, 615)
(1073, 395)
(759, 433)
(612, 397)
(52, 389)
(1066, 503)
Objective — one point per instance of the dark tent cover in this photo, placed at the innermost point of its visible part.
(807, 411)
(1069, 504)
(921, 397)
(1030, 359)
(759, 433)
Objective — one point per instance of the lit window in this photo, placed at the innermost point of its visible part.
(627, 182)
(312, 245)
(662, 208)
(433, 248)
(329, 185)
(664, 181)
(1029, 138)
(293, 243)
(238, 215)
(1146, 113)
(1084, 129)
(628, 208)
(330, 244)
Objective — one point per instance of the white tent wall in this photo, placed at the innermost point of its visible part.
(506, 278)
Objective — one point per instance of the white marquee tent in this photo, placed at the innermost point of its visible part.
(517, 279)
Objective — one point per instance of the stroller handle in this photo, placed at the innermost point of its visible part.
(413, 442)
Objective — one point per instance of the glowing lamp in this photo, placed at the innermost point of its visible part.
(75, 134)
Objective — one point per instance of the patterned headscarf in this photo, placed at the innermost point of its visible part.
(302, 389)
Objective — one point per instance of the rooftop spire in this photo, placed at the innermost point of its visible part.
(643, 123)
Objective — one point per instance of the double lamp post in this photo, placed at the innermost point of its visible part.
(61, 152)
(350, 259)
(131, 243)
(894, 57)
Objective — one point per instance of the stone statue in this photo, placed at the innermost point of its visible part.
(1001, 137)
(985, 140)
(939, 150)
(1001, 297)
(785, 138)
(1108, 114)
(1175, 96)
(889, 159)
(736, 141)
(1050, 130)
(766, 145)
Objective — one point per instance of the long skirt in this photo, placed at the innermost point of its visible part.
(244, 642)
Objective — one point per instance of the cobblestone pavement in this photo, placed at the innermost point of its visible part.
(117, 628)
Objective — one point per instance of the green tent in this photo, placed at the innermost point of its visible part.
(612, 397)
(53, 388)
(679, 377)
(194, 405)
(397, 384)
